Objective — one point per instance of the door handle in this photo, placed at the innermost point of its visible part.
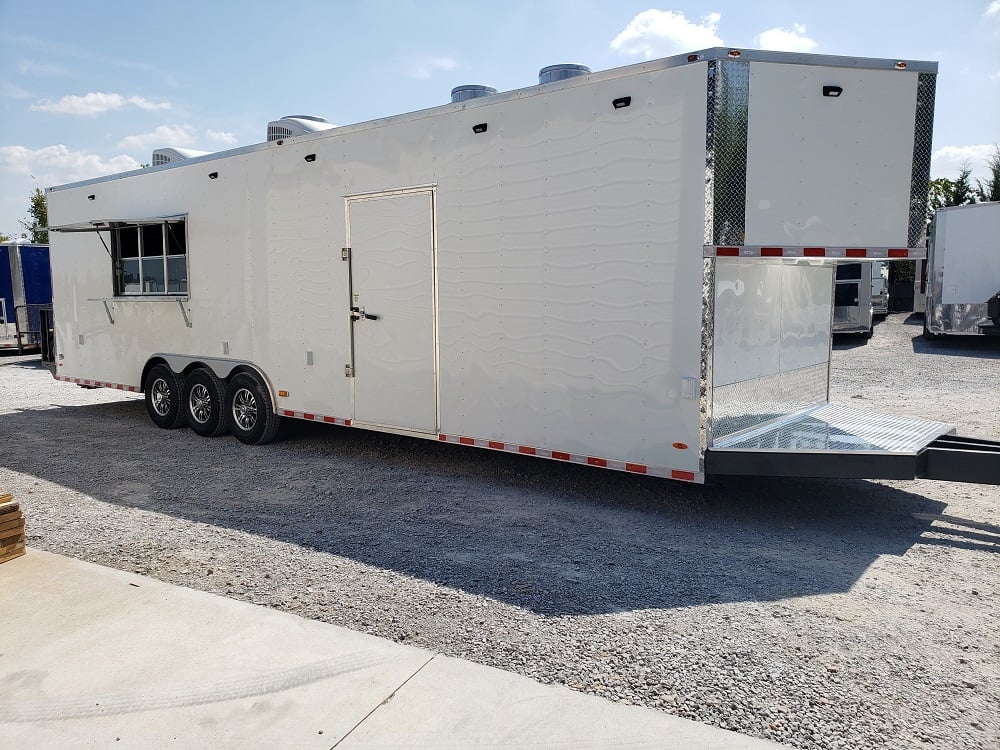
(358, 313)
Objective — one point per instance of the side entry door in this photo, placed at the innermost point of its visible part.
(393, 310)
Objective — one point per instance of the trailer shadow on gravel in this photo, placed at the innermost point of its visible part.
(551, 538)
(978, 347)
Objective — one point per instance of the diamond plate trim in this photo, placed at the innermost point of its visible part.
(923, 132)
(837, 429)
(741, 406)
(705, 394)
(728, 106)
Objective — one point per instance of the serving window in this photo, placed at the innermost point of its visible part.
(150, 258)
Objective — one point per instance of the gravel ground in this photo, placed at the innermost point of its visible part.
(818, 613)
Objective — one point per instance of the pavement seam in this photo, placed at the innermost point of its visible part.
(385, 700)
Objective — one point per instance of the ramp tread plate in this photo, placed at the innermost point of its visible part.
(837, 429)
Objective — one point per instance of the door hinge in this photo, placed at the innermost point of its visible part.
(348, 371)
(345, 253)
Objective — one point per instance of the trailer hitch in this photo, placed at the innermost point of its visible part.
(960, 459)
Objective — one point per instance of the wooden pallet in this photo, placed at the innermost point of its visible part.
(11, 528)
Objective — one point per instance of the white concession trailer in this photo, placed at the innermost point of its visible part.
(963, 272)
(630, 269)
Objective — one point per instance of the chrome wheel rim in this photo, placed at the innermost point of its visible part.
(159, 394)
(244, 409)
(200, 403)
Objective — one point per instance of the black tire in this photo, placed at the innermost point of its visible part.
(163, 397)
(205, 403)
(248, 408)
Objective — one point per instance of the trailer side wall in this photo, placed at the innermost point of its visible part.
(567, 265)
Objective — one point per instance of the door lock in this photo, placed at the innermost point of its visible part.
(358, 313)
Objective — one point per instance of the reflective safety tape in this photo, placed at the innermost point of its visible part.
(311, 417)
(575, 458)
(758, 251)
(98, 383)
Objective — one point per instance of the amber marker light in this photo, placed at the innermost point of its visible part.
(681, 446)
(283, 394)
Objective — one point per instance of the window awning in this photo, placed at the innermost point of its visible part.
(103, 225)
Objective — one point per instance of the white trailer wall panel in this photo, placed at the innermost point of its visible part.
(968, 245)
(824, 170)
(519, 259)
(963, 268)
(564, 317)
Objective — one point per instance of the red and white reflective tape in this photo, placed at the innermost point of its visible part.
(575, 458)
(762, 251)
(310, 417)
(98, 383)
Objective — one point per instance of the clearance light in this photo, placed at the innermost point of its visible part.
(734, 53)
(283, 394)
(681, 446)
(694, 58)
(901, 65)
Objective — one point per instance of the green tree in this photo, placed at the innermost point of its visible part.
(4, 238)
(38, 218)
(990, 190)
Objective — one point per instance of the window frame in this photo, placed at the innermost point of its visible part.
(142, 257)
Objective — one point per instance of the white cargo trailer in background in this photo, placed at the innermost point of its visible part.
(963, 271)
(861, 294)
(880, 288)
(853, 309)
(629, 269)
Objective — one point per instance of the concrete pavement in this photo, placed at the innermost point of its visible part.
(95, 657)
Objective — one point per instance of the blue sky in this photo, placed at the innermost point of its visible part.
(88, 89)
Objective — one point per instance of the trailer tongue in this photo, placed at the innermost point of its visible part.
(837, 441)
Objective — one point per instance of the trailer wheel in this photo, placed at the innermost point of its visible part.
(163, 398)
(248, 407)
(205, 403)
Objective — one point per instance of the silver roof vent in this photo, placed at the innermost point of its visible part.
(168, 155)
(561, 71)
(290, 126)
(470, 91)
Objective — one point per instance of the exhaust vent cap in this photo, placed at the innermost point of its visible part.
(561, 71)
(470, 91)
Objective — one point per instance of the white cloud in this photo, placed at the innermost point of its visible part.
(424, 67)
(45, 69)
(947, 160)
(993, 9)
(10, 91)
(95, 103)
(143, 103)
(221, 137)
(655, 33)
(786, 40)
(87, 105)
(162, 137)
(53, 165)
(995, 76)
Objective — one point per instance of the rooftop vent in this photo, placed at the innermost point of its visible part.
(470, 91)
(561, 71)
(168, 155)
(290, 126)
